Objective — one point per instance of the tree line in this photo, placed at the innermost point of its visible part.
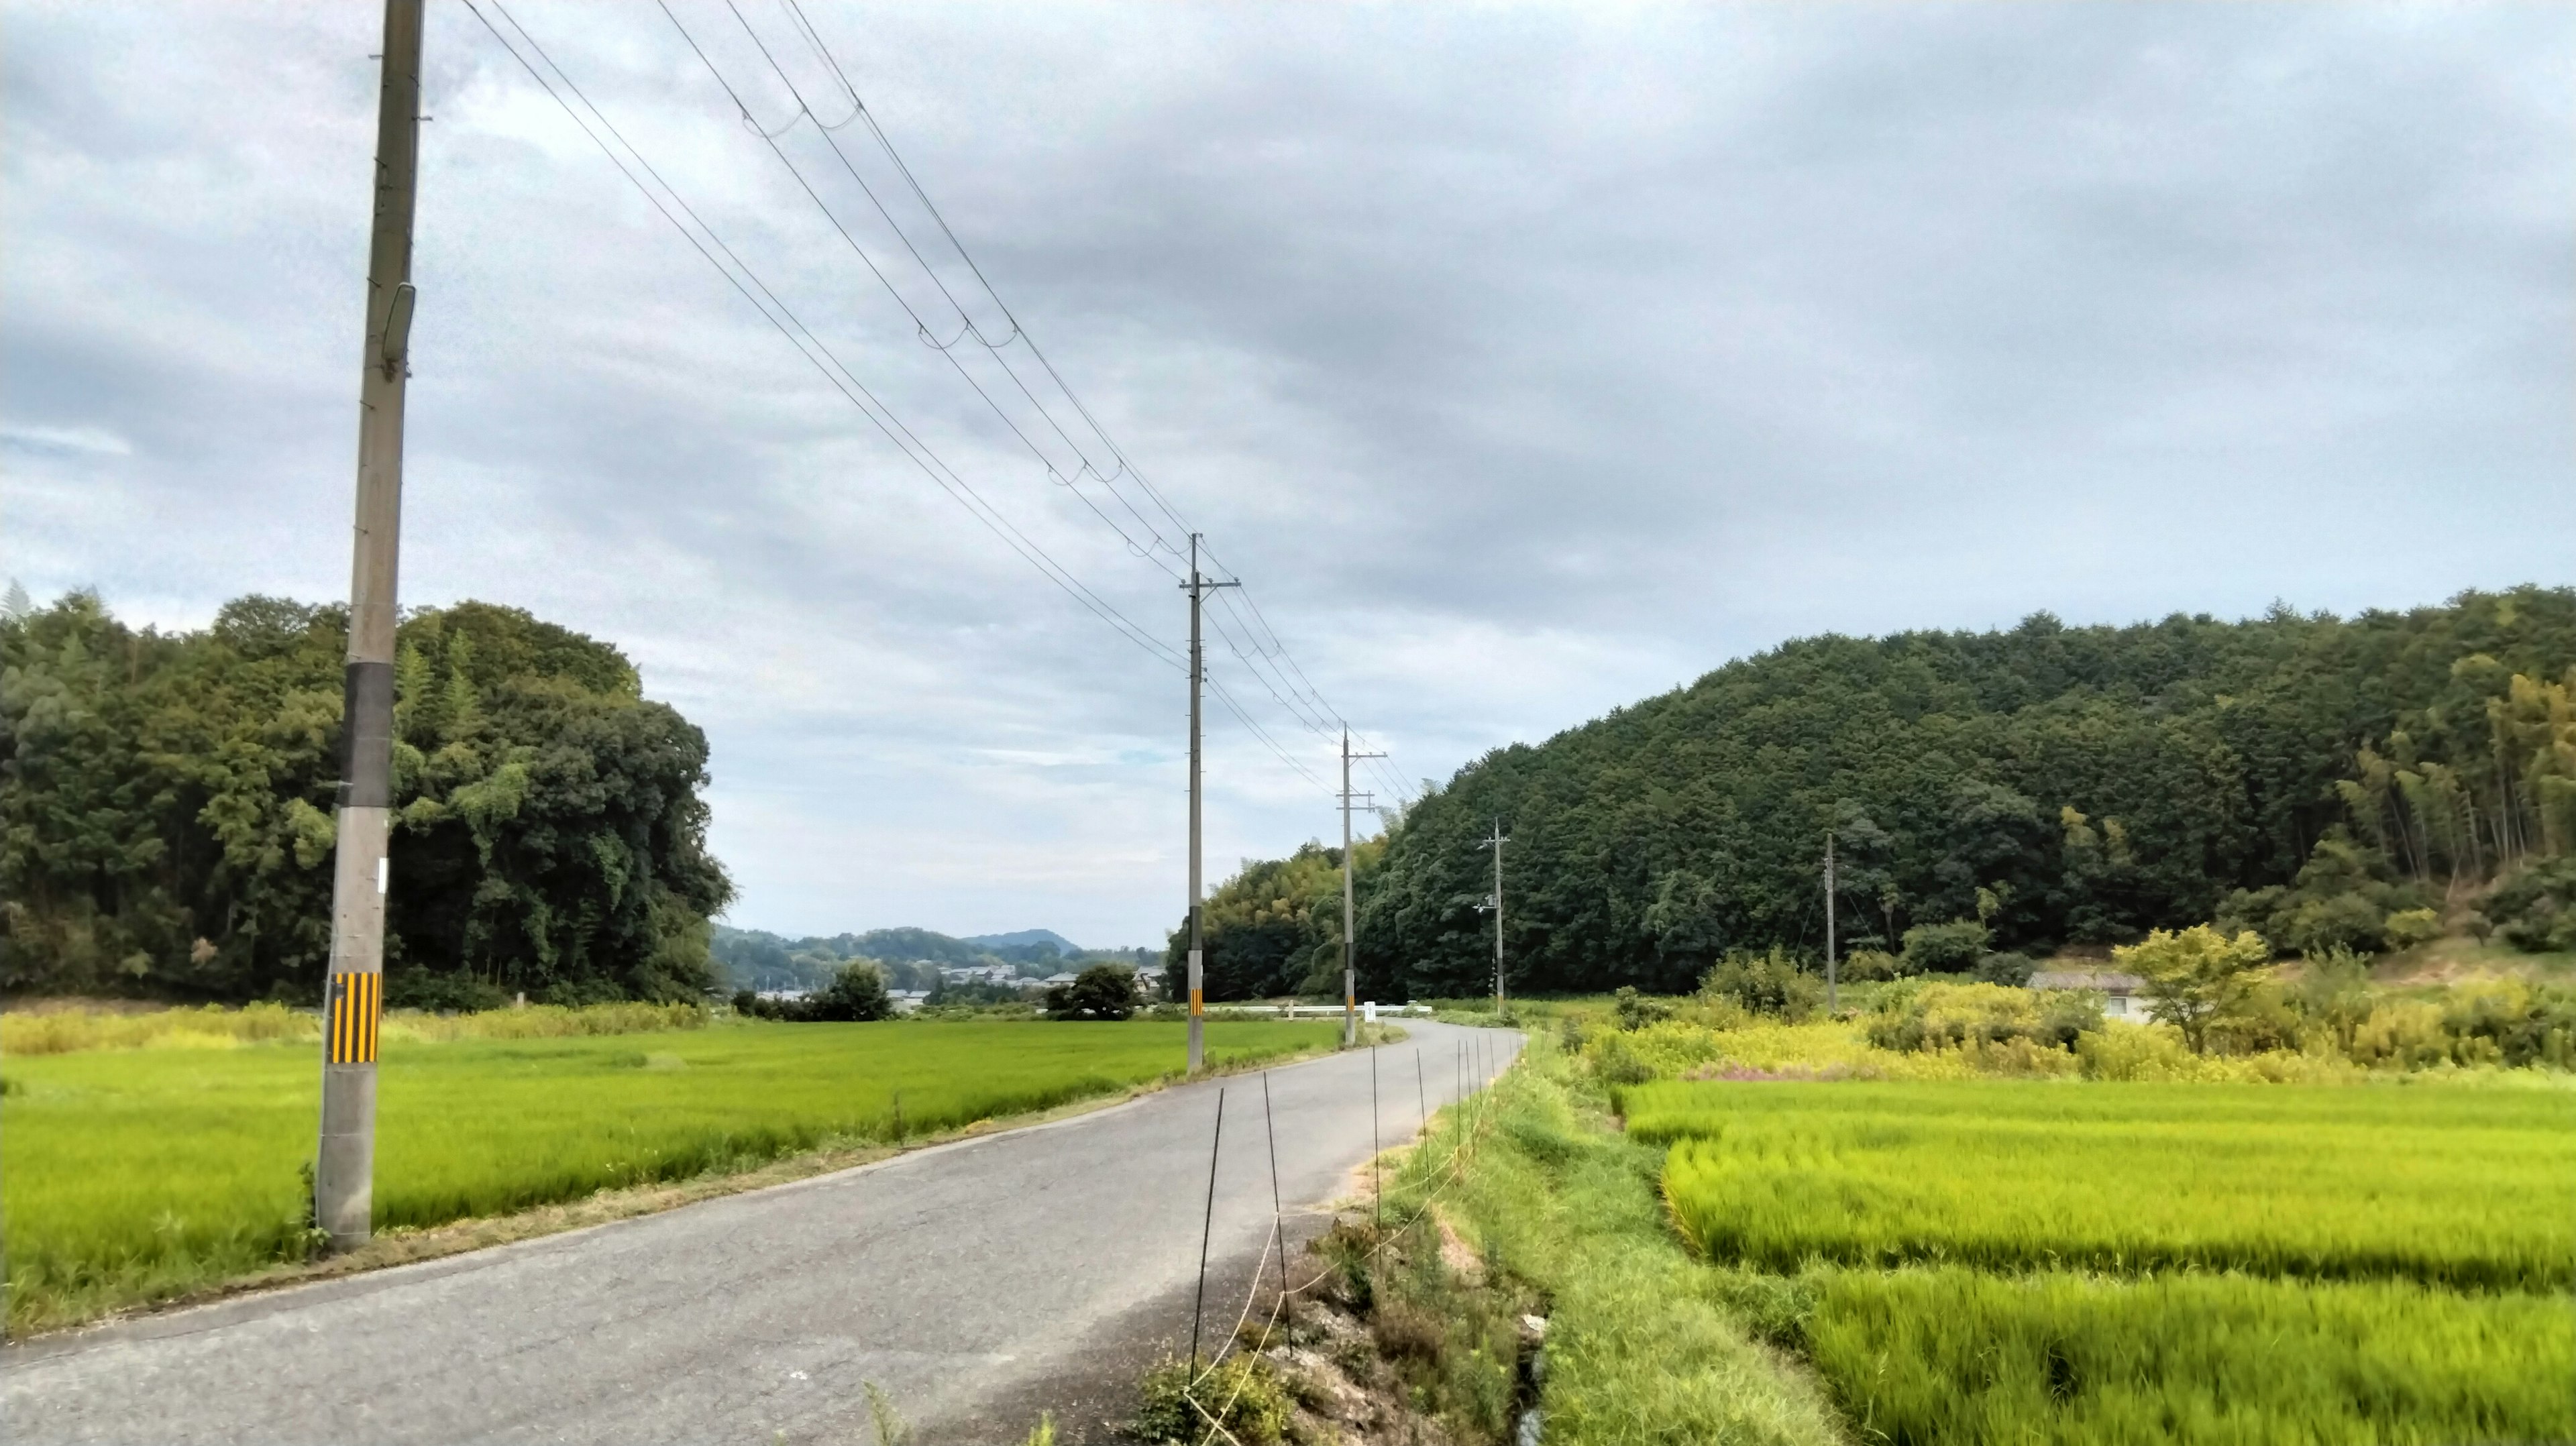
(166, 810)
(2329, 781)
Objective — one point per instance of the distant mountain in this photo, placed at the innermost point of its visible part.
(1022, 939)
(758, 959)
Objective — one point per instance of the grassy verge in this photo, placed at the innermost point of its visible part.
(145, 1176)
(1555, 1199)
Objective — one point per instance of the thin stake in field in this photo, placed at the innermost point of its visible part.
(1376, 1174)
(1207, 1227)
(1278, 1216)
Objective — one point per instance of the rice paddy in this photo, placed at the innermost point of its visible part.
(135, 1175)
(2047, 1263)
(2469, 1189)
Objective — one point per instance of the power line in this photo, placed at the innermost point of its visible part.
(808, 345)
(1068, 477)
(1277, 651)
(819, 354)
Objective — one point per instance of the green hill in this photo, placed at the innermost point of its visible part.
(2068, 784)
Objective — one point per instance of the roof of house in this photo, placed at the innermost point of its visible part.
(2108, 980)
(1060, 978)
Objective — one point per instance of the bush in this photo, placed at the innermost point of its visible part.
(1103, 991)
(414, 988)
(1872, 964)
(1636, 1011)
(2012, 970)
(2344, 898)
(1951, 1016)
(1769, 984)
(856, 994)
(2534, 910)
(1258, 1415)
(1950, 948)
(2409, 927)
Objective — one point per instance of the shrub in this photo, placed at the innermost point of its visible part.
(1103, 991)
(1615, 1063)
(1945, 948)
(1636, 1011)
(2534, 910)
(2007, 969)
(1768, 984)
(1949, 1016)
(2409, 927)
(1872, 964)
(1243, 1393)
(855, 995)
(2343, 898)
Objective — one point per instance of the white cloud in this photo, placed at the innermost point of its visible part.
(1525, 362)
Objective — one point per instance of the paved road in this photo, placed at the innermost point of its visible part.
(973, 1283)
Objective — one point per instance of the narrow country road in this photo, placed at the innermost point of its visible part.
(973, 1283)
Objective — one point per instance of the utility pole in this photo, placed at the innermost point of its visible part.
(1833, 999)
(353, 998)
(1496, 844)
(1350, 912)
(1197, 587)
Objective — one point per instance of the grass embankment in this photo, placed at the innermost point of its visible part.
(1637, 1349)
(2109, 1263)
(141, 1175)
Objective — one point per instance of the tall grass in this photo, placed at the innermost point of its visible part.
(216, 1026)
(213, 1027)
(2475, 1190)
(1954, 1355)
(134, 1176)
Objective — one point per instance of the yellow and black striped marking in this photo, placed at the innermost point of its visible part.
(357, 1006)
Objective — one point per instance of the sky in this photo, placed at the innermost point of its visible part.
(1521, 362)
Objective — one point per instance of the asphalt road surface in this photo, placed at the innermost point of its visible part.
(973, 1284)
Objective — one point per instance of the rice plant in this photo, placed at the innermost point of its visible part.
(2469, 1189)
(137, 1175)
(1953, 1355)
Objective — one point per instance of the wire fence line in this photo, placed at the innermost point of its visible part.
(1448, 1174)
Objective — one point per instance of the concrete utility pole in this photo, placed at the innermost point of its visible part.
(353, 999)
(1350, 912)
(1197, 587)
(1496, 844)
(1833, 999)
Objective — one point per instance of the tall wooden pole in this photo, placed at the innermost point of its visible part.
(353, 997)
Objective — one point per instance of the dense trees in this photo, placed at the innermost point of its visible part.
(1274, 928)
(165, 810)
(2053, 784)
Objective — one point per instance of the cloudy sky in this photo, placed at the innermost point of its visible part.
(1521, 361)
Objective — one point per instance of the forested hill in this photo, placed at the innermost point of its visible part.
(166, 810)
(2067, 784)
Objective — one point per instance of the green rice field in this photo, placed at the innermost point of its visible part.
(2030, 1262)
(136, 1175)
(2466, 1188)
(1960, 1356)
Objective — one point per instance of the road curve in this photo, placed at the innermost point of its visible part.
(972, 1283)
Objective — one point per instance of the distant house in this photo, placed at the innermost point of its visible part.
(2123, 996)
(1053, 980)
(905, 1001)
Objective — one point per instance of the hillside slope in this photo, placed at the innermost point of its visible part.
(2071, 784)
